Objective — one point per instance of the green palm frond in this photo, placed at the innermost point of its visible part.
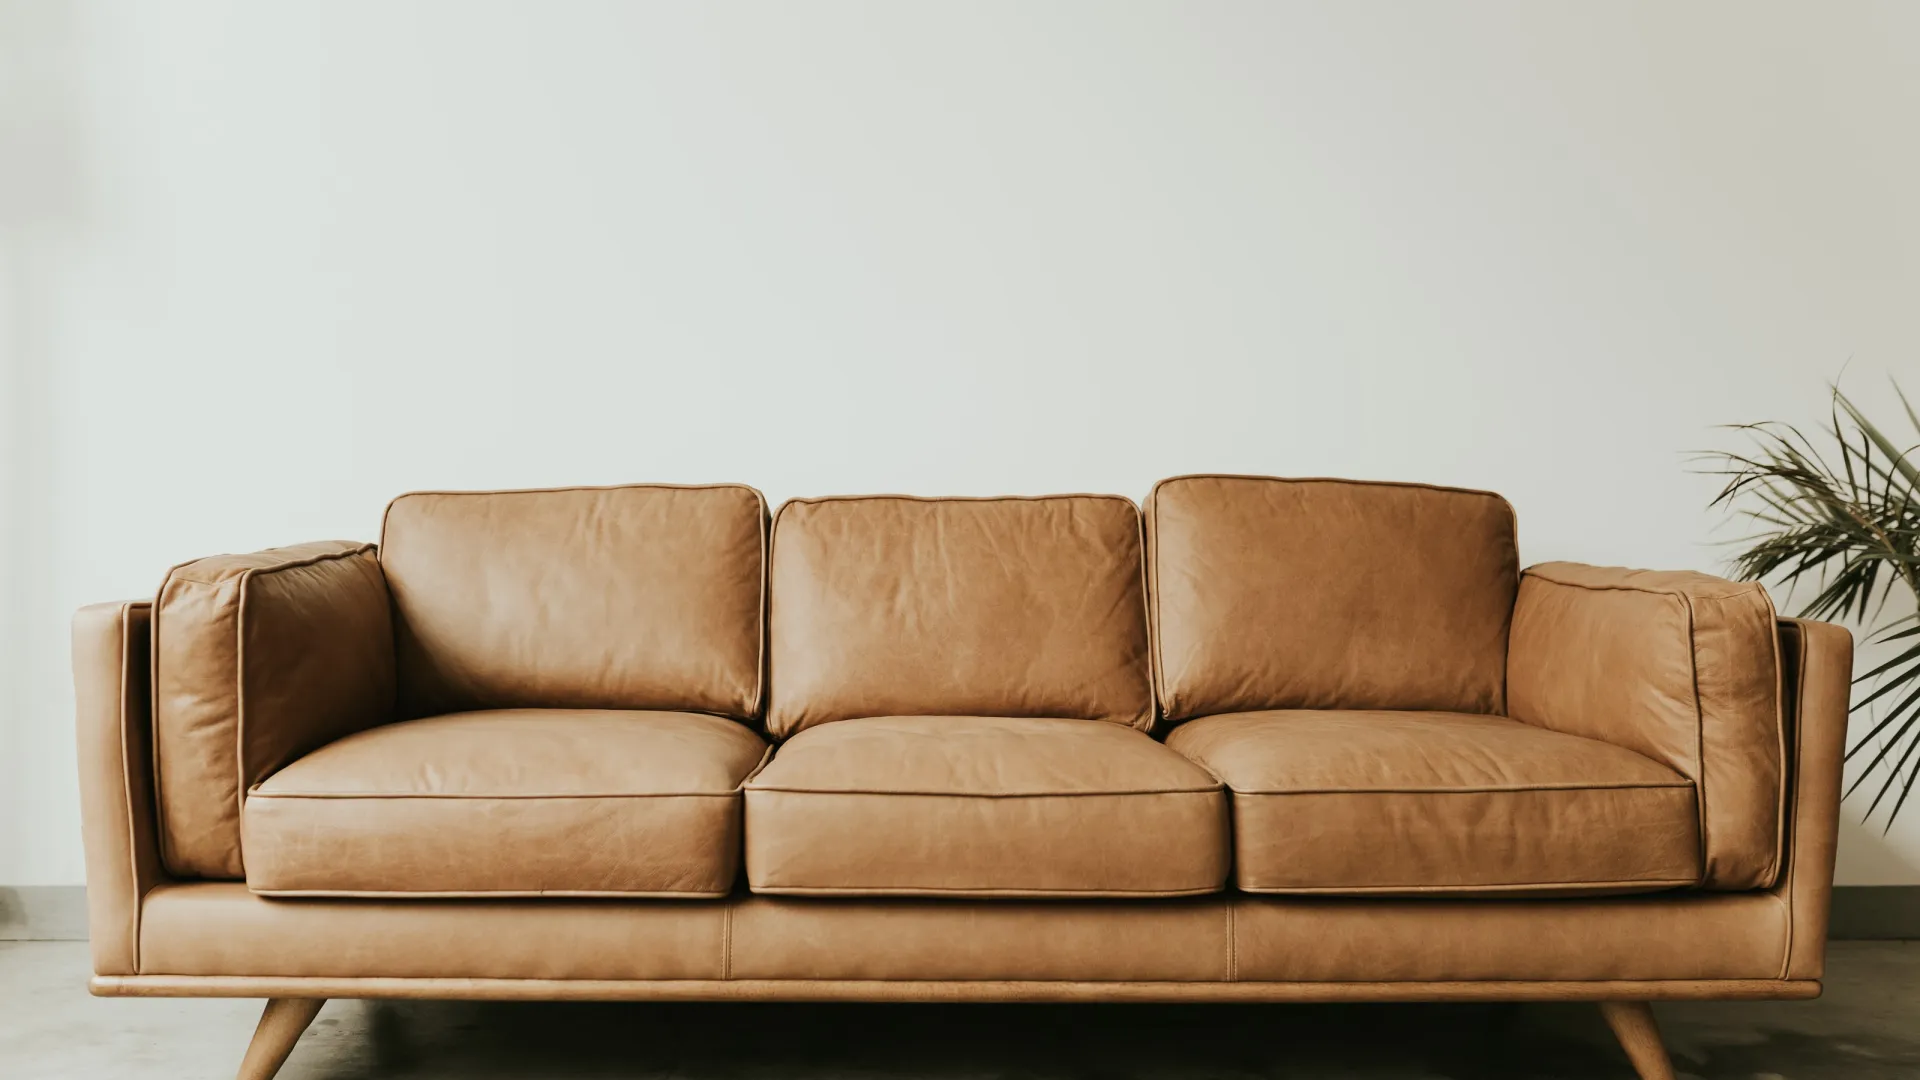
(1839, 514)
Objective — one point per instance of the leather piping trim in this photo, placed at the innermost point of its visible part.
(1773, 871)
(127, 766)
(1635, 884)
(985, 894)
(496, 894)
(455, 796)
(1489, 789)
(986, 794)
(758, 706)
(164, 833)
(928, 990)
(1144, 723)
(1165, 700)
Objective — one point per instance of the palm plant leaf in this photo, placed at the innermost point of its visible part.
(1844, 525)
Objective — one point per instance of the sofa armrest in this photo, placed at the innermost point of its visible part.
(112, 721)
(1818, 686)
(257, 660)
(1679, 666)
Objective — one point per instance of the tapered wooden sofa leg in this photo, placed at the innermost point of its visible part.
(1632, 1023)
(280, 1027)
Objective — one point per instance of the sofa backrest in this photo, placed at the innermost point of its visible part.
(1328, 594)
(640, 597)
(891, 605)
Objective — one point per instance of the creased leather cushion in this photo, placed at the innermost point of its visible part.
(1679, 666)
(258, 659)
(1328, 594)
(515, 802)
(1385, 802)
(983, 806)
(639, 597)
(889, 605)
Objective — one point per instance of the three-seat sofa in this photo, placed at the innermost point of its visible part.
(1272, 740)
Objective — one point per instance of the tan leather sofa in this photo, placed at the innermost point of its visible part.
(1271, 740)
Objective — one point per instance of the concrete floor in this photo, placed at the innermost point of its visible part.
(1867, 1027)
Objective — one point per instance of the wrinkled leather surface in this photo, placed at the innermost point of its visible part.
(1408, 802)
(641, 597)
(1328, 594)
(1670, 936)
(1184, 940)
(890, 605)
(983, 806)
(113, 722)
(222, 929)
(257, 659)
(1679, 666)
(523, 802)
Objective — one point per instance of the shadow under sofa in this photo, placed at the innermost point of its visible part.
(1271, 740)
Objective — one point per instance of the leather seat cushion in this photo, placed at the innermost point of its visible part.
(512, 802)
(983, 806)
(1424, 803)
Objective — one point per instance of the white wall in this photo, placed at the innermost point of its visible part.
(266, 265)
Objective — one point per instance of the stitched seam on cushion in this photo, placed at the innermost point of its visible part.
(464, 894)
(919, 890)
(985, 794)
(507, 797)
(1517, 789)
(1146, 611)
(1150, 559)
(1539, 575)
(812, 500)
(1792, 806)
(1233, 946)
(1661, 882)
(726, 942)
(388, 512)
(1334, 480)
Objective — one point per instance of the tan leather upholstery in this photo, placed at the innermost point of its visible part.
(256, 660)
(1328, 594)
(222, 929)
(1680, 667)
(792, 939)
(641, 597)
(889, 605)
(1817, 662)
(983, 806)
(1409, 802)
(1667, 936)
(515, 802)
(114, 725)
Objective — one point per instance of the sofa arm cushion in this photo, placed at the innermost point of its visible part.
(1680, 666)
(258, 659)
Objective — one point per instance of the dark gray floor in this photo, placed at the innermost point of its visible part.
(1867, 1027)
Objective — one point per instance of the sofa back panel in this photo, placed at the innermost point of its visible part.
(899, 606)
(1681, 667)
(257, 660)
(639, 597)
(1328, 594)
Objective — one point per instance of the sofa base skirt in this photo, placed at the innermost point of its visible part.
(218, 938)
(788, 990)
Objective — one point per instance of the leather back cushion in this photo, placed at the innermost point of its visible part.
(1328, 594)
(641, 597)
(897, 606)
(257, 660)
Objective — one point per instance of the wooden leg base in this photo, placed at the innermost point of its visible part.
(1632, 1023)
(280, 1027)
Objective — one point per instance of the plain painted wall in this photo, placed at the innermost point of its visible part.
(263, 266)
